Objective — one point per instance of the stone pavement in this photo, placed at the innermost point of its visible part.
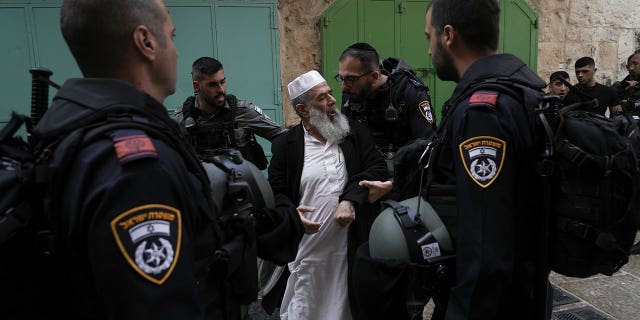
(600, 297)
(595, 298)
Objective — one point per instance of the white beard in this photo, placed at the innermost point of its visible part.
(333, 129)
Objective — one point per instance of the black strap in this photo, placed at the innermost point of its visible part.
(14, 124)
(412, 227)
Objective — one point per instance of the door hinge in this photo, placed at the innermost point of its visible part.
(274, 19)
(326, 21)
(402, 7)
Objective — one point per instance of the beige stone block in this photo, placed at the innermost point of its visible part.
(553, 26)
(576, 50)
(581, 13)
(607, 57)
(550, 56)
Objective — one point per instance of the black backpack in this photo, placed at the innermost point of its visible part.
(589, 166)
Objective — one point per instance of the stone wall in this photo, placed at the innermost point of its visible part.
(607, 30)
(300, 44)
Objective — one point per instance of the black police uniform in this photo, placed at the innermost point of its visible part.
(415, 118)
(136, 229)
(629, 96)
(485, 161)
(400, 119)
(232, 126)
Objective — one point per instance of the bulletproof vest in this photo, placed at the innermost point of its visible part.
(385, 119)
(384, 115)
(210, 134)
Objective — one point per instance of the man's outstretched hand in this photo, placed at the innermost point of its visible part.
(377, 189)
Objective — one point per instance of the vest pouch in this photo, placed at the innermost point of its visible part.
(442, 198)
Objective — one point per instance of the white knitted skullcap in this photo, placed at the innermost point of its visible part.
(303, 83)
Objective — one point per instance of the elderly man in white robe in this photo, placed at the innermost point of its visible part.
(318, 165)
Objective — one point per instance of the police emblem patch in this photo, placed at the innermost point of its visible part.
(482, 158)
(425, 110)
(149, 237)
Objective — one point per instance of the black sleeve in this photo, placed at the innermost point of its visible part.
(279, 232)
(486, 209)
(422, 118)
(370, 162)
(279, 242)
(142, 224)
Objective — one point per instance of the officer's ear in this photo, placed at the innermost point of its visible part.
(145, 42)
(196, 87)
(448, 35)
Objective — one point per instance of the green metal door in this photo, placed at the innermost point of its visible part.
(396, 28)
(243, 35)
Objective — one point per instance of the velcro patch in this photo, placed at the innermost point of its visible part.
(425, 110)
(132, 144)
(258, 109)
(483, 157)
(484, 99)
(149, 237)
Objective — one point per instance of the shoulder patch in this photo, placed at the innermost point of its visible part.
(425, 110)
(132, 144)
(484, 99)
(149, 237)
(415, 82)
(483, 157)
(258, 109)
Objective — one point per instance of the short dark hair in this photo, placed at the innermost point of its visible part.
(559, 74)
(477, 21)
(98, 32)
(585, 61)
(204, 66)
(365, 53)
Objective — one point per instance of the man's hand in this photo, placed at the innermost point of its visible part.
(632, 83)
(310, 227)
(377, 189)
(615, 109)
(345, 213)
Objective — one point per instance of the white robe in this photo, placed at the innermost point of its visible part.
(317, 286)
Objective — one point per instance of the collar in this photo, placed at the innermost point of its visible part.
(98, 93)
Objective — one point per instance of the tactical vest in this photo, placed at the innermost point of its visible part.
(210, 136)
(385, 116)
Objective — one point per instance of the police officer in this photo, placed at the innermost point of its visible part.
(136, 229)
(214, 119)
(629, 91)
(486, 155)
(629, 88)
(392, 103)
